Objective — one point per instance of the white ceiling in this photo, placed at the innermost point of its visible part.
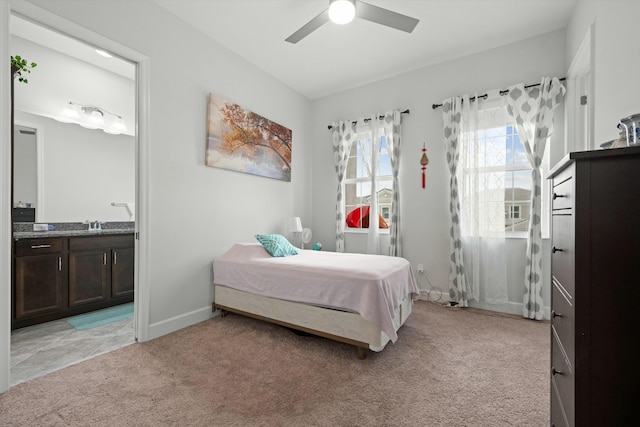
(339, 57)
(59, 42)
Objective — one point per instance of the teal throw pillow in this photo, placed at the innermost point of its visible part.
(276, 244)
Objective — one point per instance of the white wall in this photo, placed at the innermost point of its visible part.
(425, 212)
(614, 60)
(196, 212)
(59, 79)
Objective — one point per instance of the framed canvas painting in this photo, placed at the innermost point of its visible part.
(243, 141)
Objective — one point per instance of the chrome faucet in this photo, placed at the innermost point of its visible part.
(94, 226)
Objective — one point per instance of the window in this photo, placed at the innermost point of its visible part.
(386, 210)
(358, 183)
(514, 212)
(500, 183)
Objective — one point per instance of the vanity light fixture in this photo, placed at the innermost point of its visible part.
(92, 117)
(342, 11)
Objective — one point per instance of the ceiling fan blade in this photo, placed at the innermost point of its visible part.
(386, 17)
(309, 27)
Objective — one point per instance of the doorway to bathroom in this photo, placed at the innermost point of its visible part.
(83, 172)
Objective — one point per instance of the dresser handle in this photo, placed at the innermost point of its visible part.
(59, 263)
(556, 196)
(555, 314)
(115, 257)
(40, 246)
(554, 371)
(554, 250)
(104, 258)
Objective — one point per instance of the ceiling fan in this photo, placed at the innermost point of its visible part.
(343, 11)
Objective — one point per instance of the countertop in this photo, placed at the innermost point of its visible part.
(71, 229)
(70, 233)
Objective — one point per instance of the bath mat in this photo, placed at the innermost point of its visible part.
(102, 317)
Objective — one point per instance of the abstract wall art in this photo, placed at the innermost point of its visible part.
(240, 140)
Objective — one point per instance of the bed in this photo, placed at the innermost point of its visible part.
(356, 299)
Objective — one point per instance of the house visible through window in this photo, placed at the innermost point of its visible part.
(358, 184)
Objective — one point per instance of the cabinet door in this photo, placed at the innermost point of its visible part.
(40, 285)
(88, 277)
(122, 261)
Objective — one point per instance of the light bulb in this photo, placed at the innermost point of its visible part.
(342, 11)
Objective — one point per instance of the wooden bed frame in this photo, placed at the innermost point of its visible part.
(338, 325)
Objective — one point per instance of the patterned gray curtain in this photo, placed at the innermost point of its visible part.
(459, 291)
(393, 130)
(532, 110)
(343, 134)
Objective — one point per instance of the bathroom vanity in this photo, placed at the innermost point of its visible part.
(63, 273)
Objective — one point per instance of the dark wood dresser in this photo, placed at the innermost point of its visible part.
(595, 297)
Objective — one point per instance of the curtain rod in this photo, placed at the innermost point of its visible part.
(366, 120)
(502, 92)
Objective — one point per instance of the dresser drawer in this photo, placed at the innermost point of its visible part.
(34, 247)
(562, 378)
(563, 319)
(563, 190)
(558, 415)
(562, 250)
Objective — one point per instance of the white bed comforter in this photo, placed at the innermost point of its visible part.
(371, 285)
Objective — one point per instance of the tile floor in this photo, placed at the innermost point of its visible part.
(41, 349)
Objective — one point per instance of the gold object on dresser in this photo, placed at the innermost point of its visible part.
(595, 280)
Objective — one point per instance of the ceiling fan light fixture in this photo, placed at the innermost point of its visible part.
(342, 11)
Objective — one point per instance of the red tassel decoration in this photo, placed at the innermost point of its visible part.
(424, 161)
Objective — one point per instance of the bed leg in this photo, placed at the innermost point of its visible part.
(223, 313)
(362, 353)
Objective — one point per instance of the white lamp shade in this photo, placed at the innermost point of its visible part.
(93, 121)
(342, 11)
(117, 127)
(69, 114)
(295, 225)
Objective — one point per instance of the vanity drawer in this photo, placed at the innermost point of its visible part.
(563, 190)
(101, 242)
(563, 319)
(562, 251)
(562, 377)
(34, 247)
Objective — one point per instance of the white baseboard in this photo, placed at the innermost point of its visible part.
(508, 307)
(176, 323)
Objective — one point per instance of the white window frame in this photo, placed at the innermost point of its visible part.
(363, 135)
(514, 211)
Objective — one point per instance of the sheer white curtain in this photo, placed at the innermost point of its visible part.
(482, 181)
(343, 134)
(475, 136)
(370, 157)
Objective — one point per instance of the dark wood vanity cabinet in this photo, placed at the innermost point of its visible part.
(40, 278)
(595, 279)
(60, 277)
(122, 262)
(100, 269)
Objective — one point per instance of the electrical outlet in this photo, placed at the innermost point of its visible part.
(420, 267)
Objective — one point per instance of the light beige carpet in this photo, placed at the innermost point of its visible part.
(449, 367)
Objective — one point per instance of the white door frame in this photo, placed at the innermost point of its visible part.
(39, 165)
(579, 116)
(141, 295)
